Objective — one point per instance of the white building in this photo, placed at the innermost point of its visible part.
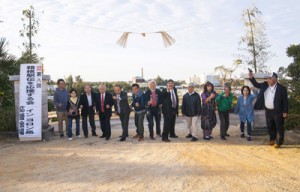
(195, 79)
(138, 79)
(214, 79)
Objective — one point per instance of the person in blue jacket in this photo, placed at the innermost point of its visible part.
(139, 105)
(245, 110)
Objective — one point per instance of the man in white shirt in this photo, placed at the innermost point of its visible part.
(87, 105)
(273, 98)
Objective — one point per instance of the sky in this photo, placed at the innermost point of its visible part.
(78, 37)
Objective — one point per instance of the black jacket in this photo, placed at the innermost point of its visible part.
(74, 107)
(167, 103)
(124, 105)
(191, 105)
(280, 100)
(108, 100)
(84, 101)
(158, 98)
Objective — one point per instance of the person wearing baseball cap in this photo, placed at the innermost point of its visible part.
(273, 98)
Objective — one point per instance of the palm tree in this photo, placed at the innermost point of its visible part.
(8, 66)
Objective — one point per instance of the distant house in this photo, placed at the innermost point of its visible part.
(138, 79)
(195, 79)
(214, 79)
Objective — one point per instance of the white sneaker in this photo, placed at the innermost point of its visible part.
(70, 139)
(78, 136)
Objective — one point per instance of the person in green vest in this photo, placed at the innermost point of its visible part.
(224, 102)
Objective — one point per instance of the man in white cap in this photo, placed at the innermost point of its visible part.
(191, 110)
(273, 98)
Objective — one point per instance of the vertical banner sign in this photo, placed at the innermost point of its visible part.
(30, 102)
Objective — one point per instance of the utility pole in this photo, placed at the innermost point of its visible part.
(252, 41)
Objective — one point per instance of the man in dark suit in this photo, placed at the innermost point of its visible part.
(104, 103)
(273, 98)
(122, 109)
(153, 105)
(87, 104)
(169, 110)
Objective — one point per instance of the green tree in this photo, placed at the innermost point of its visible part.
(110, 85)
(291, 77)
(30, 29)
(254, 44)
(27, 58)
(227, 75)
(79, 84)
(158, 80)
(293, 70)
(69, 82)
(125, 85)
(179, 82)
(8, 66)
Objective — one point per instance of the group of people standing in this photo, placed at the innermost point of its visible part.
(154, 103)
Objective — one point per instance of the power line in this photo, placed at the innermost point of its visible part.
(149, 32)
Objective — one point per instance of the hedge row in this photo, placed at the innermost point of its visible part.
(292, 122)
(7, 119)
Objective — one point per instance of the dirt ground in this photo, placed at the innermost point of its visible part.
(94, 164)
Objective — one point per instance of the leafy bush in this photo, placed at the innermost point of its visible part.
(292, 122)
(7, 119)
(294, 105)
(50, 105)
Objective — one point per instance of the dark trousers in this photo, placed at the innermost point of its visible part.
(224, 122)
(70, 119)
(172, 126)
(154, 113)
(249, 127)
(91, 120)
(139, 122)
(105, 124)
(124, 118)
(169, 122)
(275, 124)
